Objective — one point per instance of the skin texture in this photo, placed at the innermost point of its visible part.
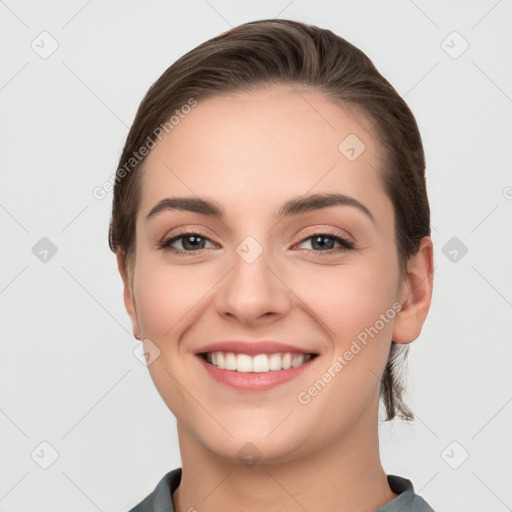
(250, 152)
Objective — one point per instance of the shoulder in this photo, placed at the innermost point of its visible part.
(407, 500)
(160, 499)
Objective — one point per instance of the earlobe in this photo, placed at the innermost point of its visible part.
(415, 294)
(129, 301)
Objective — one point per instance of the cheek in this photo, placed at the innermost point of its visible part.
(168, 296)
(169, 301)
(348, 299)
(354, 304)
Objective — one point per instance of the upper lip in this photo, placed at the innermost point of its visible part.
(251, 347)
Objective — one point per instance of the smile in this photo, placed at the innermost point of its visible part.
(259, 363)
(258, 372)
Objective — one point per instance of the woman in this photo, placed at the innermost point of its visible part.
(271, 226)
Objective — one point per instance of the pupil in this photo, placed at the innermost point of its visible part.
(318, 241)
(194, 245)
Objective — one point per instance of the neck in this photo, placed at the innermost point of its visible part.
(345, 474)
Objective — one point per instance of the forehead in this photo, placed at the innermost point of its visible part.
(253, 149)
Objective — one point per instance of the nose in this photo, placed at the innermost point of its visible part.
(254, 292)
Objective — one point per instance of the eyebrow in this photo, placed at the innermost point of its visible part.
(294, 206)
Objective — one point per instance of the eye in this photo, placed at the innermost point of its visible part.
(190, 242)
(325, 242)
(193, 242)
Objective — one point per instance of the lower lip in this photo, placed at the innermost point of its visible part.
(254, 381)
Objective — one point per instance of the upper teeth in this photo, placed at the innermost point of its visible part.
(258, 363)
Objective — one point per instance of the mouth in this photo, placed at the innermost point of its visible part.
(259, 363)
(257, 372)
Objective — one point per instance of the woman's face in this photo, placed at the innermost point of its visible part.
(258, 274)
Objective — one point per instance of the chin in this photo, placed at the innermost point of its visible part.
(249, 446)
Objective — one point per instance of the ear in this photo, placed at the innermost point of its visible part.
(415, 294)
(129, 301)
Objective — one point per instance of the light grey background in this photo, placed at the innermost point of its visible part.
(68, 374)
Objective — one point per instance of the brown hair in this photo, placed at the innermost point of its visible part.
(282, 51)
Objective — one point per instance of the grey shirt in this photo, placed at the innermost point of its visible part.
(160, 500)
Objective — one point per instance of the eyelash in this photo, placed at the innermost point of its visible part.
(346, 245)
